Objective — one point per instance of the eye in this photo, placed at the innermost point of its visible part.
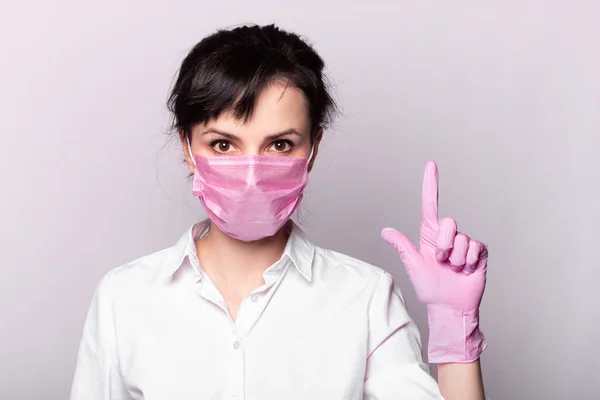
(222, 146)
(281, 146)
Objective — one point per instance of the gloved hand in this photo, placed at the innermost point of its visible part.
(448, 272)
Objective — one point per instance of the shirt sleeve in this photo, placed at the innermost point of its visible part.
(395, 368)
(96, 373)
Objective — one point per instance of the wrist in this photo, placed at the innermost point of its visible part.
(454, 335)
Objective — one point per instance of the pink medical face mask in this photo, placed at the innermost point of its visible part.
(249, 197)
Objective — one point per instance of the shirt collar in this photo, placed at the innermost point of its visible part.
(299, 249)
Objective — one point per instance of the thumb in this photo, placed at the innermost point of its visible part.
(408, 252)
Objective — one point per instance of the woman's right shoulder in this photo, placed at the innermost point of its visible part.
(142, 273)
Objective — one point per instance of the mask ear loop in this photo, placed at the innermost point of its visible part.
(189, 144)
(312, 150)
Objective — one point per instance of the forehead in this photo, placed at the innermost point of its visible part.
(278, 108)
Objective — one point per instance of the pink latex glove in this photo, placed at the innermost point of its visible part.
(448, 272)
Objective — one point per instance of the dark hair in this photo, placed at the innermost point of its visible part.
(229, 69)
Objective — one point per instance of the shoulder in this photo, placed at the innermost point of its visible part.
(348, 270)
(144, 272)
(359, 282)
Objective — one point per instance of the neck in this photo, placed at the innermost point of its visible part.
(236, 262)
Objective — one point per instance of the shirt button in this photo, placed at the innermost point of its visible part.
(254, 297)
(236, 345)
(234, 398)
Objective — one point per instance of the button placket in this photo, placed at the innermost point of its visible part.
(248, 313)
(237, 376)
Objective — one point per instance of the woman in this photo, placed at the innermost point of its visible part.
(244, 306)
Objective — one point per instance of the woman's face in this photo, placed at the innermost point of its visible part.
(280, 126)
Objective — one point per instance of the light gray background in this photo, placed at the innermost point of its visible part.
(505, 96)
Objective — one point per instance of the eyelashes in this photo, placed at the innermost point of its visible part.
(288, 145)
(221, 145)
(281, 146)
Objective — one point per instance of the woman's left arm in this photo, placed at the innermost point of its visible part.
(461, 381)
(448, 272)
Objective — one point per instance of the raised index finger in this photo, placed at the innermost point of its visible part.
(429, 201)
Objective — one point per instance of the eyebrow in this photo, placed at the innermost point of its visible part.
(272, 137)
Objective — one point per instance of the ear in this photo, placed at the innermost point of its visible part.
(186, 152)
(317, 142)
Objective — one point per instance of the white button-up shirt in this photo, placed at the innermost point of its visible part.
(323, 326)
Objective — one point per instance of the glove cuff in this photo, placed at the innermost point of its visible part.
(454, 335)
